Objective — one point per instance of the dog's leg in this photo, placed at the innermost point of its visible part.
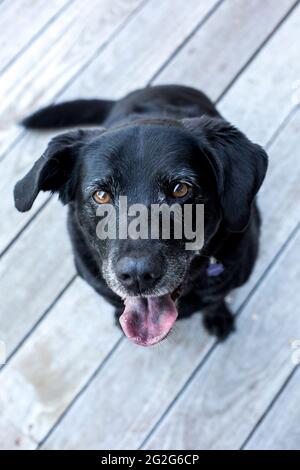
(218, 320)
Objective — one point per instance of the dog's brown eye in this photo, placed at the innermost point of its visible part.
(180, 190)
(101, 197)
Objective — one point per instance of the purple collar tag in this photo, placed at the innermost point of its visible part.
(214, 268)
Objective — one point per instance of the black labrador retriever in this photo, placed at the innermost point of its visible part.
(161, 144)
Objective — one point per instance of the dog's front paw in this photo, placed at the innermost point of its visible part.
(219, 322)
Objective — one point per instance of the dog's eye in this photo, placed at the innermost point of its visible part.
(101, 197)
(180, 190)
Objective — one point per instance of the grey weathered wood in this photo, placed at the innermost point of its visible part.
(148, 398)
(130, 432)
(233, 388)
(60, 53)
(280, 430)
(224, 44)
(33, 274)
(278, 200)
(20, 23)
(79, 334)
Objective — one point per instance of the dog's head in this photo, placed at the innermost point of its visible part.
(193, 161)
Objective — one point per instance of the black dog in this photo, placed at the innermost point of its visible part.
(162, 144)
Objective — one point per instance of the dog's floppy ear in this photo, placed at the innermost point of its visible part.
(52, 171)
(238, 164)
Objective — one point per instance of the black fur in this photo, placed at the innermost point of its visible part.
(149, 138)
(69, 114)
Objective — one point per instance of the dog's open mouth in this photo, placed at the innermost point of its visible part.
(148, 320)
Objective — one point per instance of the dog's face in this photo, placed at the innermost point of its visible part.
(195, 161)
(150, 165)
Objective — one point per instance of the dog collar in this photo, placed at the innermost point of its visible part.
(214, 268)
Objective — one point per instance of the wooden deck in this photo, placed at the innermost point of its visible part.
(71, 380)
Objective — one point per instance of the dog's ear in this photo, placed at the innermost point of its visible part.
(238, 164)
(53, 170)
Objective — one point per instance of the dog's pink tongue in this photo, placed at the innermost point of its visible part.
(148, 320)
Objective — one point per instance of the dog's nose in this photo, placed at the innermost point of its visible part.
(138, 274)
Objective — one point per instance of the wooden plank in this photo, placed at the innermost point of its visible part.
(224, 45)
(125, 54)
(236, 384)
(131, 430)
(61, 52)
(270, 88)
(33, 144)
(36, 307)
(21, 16)
(132, 390)
(34, 273)
(280, 429)
(140, 49)
(135, 435)
(63, 344)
